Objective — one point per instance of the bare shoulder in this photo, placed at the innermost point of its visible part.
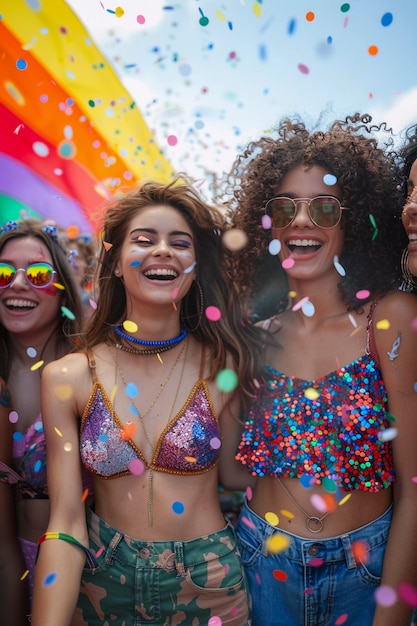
(397, 307)
(74, 366)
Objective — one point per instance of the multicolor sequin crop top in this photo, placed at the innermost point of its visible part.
(189, 444)
(327, 428)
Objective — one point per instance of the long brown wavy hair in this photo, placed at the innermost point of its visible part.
(231, 334)
(362, 157)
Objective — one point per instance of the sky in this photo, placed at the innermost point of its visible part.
(208, 76)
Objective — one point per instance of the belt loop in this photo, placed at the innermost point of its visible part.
(179, 558)
(111, 550)
(347, 545)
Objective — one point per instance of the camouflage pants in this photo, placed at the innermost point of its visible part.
(165, 583)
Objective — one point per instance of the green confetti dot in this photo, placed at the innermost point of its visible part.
(226, 380)
(67, 313)
(91, 103)
(345, 7)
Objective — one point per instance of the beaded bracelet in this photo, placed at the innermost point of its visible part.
(92, 561)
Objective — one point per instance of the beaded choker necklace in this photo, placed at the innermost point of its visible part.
(153, 344)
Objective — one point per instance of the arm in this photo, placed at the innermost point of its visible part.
(232, 474)
(54, 603)
(400, 376)
(14, 599)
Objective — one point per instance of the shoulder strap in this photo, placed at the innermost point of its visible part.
(370, 336)
(92, 364)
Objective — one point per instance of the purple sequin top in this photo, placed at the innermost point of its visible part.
(327, 428)
(190, 443)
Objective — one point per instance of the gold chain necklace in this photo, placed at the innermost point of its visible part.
(148, 410)
(314, 524)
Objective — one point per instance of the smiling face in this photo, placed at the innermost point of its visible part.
(157, 258)
(308, 251)
(409, 219)
(25, 310)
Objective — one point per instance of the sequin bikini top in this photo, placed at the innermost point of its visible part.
(329, 428)
(189, 444)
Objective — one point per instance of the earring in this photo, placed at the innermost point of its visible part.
(117, 272)
(408, 283)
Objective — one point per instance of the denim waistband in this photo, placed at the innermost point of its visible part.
(303, 549)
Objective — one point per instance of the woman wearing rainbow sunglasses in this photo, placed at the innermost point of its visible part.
(329, 536)
(40, 317)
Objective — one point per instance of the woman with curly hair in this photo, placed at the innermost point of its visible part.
(409, 213)
(329, 534)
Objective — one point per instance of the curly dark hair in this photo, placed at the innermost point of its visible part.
(362, 157)
(229, 334)
(408, 154)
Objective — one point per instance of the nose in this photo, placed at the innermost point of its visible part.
(410, 209)
(161, 248)
(20, 281)
(302, 217)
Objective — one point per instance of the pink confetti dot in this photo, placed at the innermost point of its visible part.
(175, 293)
(341, 619)
(13, 417)
(288, 263)
(213, 313)
(385, 596)
(136, 467)
(248, 492)
(316, 562)
(215, 621)
(248, 522)
(303, 68)
(99, 551)
(408, 593)
(215, 443)
(140, 19)
(172, 140)
(362, 294)
(267, 223)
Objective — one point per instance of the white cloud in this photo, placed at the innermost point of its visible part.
(401, 114)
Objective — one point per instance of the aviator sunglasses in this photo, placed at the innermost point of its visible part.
(324, 211)
(38, 275)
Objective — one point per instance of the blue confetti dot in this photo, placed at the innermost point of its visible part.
(386, 19)
(21, 64)
(178, 508)
(50, 579)
(291, 26)
(329, 39)
(131, 390)
(135, 263)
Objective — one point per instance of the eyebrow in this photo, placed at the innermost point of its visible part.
(152, 231)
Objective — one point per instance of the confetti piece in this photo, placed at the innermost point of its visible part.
(388, 434)
(339, 268)
(100, 551)
(274, 247)
(24, 575)
(213, 313)
(67, 446)
(235, 239)
(303, 68)
(13, 417)
(215, 443)
(67, 313)
(178, 508)
(59, 286)
(248, 492)
(298, 305)
(190, 268)
(247, 521)
(373, 50)
(140, 19)
(107, 245)
(308, 309)
(385, 596)
(408, 593)
(288, 263)
(85, 495)
(63, 391)
(226, 380)
(50, 579)
(131, 390)
(58, 432)
(345, 7)
(21, 64)
(130, 327)
(18, 129)
(135, 263)
(360, 551)
(330, 179)
(190, 459)
(383, 325)
(386, 19)
(36, 366)
(136, 467)
(279, 575)
(287, 514)
(93, 304)
(362, 294)
(266, 222)
(215, 621)
(311, 393)
(272, 518)
(341, 619)
(310, 16)
(128, 431)
(277, 543)
(175, 293)
(119, 12)
(172, 140)
(72, 232)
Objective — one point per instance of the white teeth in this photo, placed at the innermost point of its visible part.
(303, 242)
(161, 272)
(412, 239)
(24, 304)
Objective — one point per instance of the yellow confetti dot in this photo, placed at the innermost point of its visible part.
(311, 394)
(345, 499)
(36, 366)
(277, 543)
(63, 392)
(24, 575)
(287, 513)
(68, 446)
(220, 16)
(190, 459)
(272, 518)
(113, 394)
(383, 325)
(129, 326)
(58, 432)
(119, 12)
(292, 294)
(257, 9)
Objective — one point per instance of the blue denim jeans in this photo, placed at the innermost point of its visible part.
(314, 581)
